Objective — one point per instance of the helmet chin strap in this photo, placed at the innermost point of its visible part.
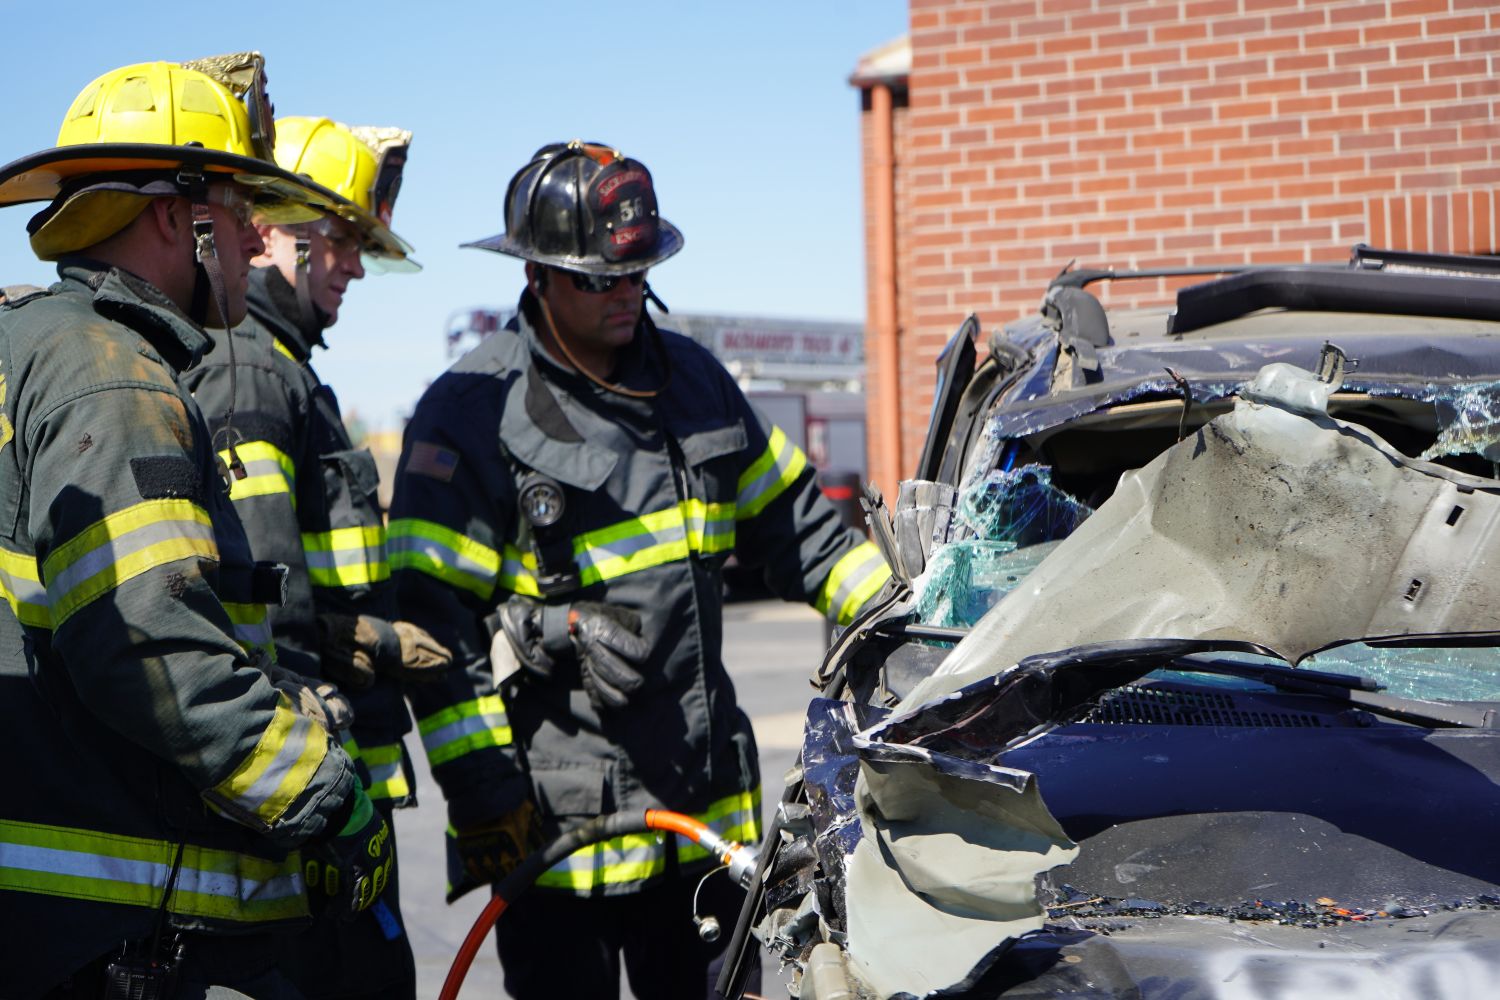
(614, 387)
(308, 319)
(206, 257)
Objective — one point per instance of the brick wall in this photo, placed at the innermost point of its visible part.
(1160, 134)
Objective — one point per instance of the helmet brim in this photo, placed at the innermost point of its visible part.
(43, 176)
(668, 242)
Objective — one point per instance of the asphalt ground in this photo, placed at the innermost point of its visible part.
(770, 648)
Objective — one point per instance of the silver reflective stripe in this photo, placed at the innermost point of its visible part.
(469, 726)
(288, 757)
(594, 554)
(152, 874)
(442, 554)
(115, 549)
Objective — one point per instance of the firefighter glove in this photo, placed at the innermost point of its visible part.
(491, 851)
(603, 639)
(346, 873)
(318, 700)
(358, 648)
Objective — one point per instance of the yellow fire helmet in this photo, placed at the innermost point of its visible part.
(362, 164)
(151, 130)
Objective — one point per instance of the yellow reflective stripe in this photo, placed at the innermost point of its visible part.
(518, 572)
(21, 586)
(122, 546)
(710, 526)
(735, 817)
(252, 630)
(346, 557)
(854, 579)
(387, 776)
(654, 539)
(465, 727)
(133, 871)
(268, 470)
(769, 475)
(639, 856)
(441, 552)
(277, 771)
(282, 348)
(633, 857)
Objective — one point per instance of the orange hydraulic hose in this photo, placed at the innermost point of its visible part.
(739, 859)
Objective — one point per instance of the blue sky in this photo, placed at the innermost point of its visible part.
(743, 113)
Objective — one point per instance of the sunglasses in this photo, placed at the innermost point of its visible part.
(598, 284)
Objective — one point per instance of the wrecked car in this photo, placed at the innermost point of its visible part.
(1190, 688)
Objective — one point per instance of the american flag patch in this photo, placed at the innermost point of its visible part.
(432, 461)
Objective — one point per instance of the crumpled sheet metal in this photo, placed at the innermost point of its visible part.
(940, 855)
(1269, 527)
(943, 876)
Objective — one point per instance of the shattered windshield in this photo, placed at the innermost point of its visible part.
(1010, 516)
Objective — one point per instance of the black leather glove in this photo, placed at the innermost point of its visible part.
(347, 872)
(491, 851)
(357, 648)
(604, 639)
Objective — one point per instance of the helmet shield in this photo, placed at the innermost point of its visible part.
(584, 207)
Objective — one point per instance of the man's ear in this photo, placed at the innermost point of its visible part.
(169, 218)
(536, 278)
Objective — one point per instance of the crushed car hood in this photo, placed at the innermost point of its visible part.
(1273, 529)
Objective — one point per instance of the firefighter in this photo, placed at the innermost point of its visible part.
(566, 498)
(310, 501)
(161, 786)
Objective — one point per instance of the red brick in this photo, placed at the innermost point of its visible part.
(1100, 102)
(1212, 93)
(1215, 52)
(1015, 91)
(1096, 21)
(1314, 104)
(1333, 38)
(1302, 62)
(1188, 115)
(1471, 89)
(1103, 142)
(1131, 203)
(1459, 112)
(1367, 98)
(1284, 41)
(1487, 42)
(1464, 24)
(1188, 156)
(1151, 13)
(1155, 56)
(1462, 239)
(1418, 51)
(1033, 27)
(988, 113)
(1457, 155)
(1352, 141)
(1312, 146)
(1299, 20)
(1277, 127)
(1070, 85)
(1098, 62)
(1276, 213)
(1111, 183)
(1334, 209)
(1273, 85)
(1245, 109)
(1404, 159)
(1348, 186)
(1482, 222)
(1477, 66)
(1128, 39)
(992, 32)
(1346, 14)
(1275, 170)
(1208, 9)
(1336, 80)
(1475, 176)
(1188, 31)
(1336, 123)
(1400, 73)
(1392, 31)
(1305, 189)
(1072, 127)
(1362, 57)
(1441, 240)
(1188, 241)
(1418, 237)
(1015, 52)
(1182, 74)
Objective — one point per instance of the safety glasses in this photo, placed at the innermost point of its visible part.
(598, 284)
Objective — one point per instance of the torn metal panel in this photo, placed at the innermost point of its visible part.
(948, 856)
(1268, 527)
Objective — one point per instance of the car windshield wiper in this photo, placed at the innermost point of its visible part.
(1357, 691)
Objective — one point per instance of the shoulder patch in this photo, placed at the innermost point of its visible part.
(166, 477)
(431, 460)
